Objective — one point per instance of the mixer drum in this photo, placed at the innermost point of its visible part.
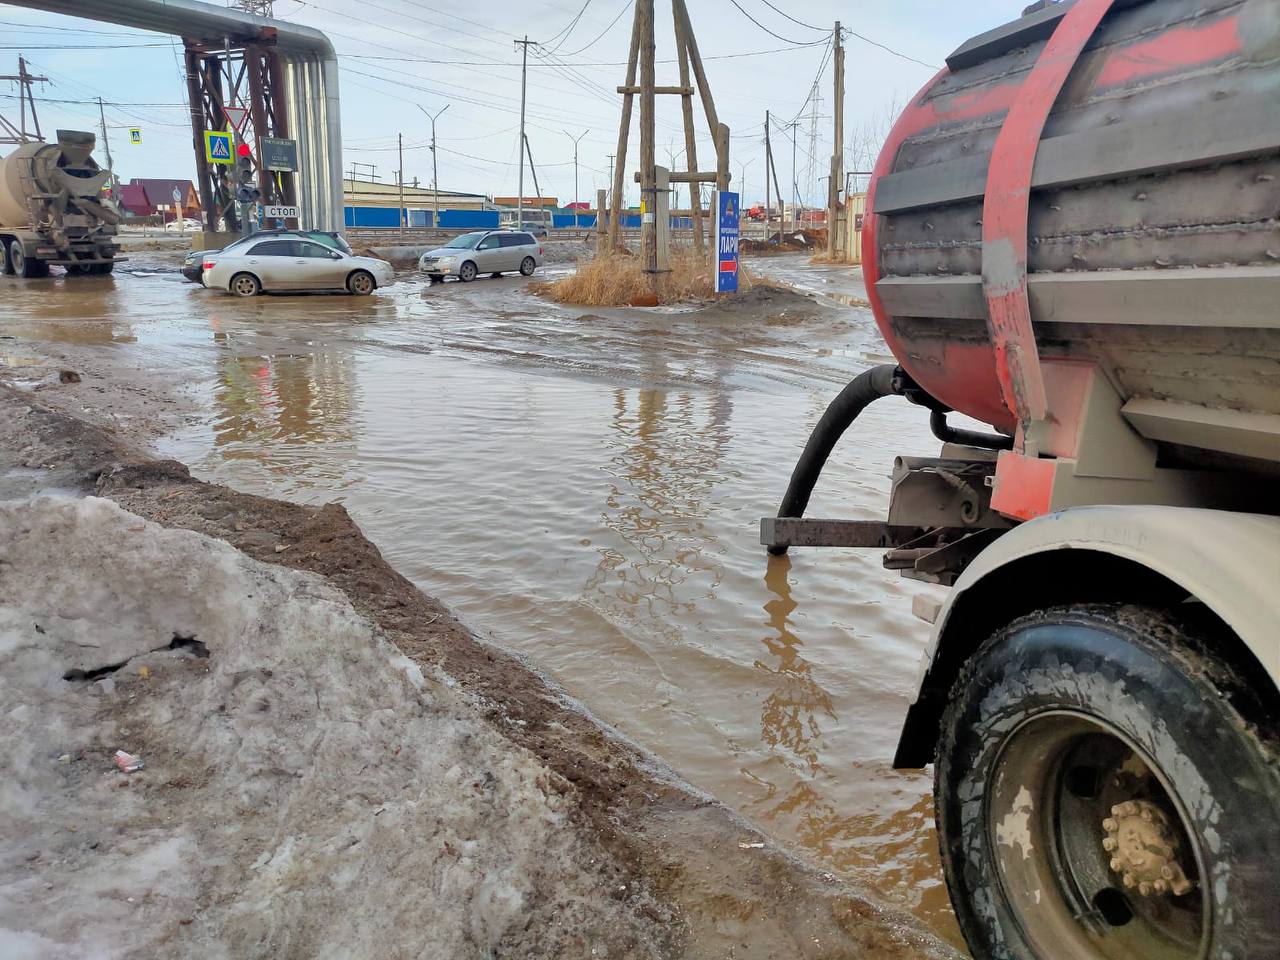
(1153, 244)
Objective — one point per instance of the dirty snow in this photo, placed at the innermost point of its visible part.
(307, 791)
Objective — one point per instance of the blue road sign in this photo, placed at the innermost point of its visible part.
(727, 216)
(217, 147)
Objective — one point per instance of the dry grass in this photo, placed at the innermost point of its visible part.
(617, 280)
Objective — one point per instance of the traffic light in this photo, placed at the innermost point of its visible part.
(246, 190)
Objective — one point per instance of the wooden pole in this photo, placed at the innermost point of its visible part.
(624, 128)
(782, 203)
(768, 164)
(719, 132)
(690, 139)
(600, 219)
(648, 161)
(837, 153)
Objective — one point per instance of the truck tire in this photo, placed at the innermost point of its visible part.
(23, 265)
(1103, 791)
(6, 267)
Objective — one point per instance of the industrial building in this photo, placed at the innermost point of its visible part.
(372, 203)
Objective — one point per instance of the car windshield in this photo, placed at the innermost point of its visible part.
(465, 242)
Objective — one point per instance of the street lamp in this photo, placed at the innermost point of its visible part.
(435, 181)
(576, 141)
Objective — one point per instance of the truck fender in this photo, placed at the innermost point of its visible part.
(1229, 562)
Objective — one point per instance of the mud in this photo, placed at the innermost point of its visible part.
(582, 488)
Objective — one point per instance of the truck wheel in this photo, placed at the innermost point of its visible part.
(100, 269)
(23, 265)
(1102, 792)
(6, 266)
(245, 285)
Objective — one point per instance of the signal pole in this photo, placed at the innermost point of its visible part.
(524, 76)
(837, 151)
(435, 182)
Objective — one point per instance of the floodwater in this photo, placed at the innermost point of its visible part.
(583, 487)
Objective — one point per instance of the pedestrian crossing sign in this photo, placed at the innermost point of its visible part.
(135, 135)
(217, 147)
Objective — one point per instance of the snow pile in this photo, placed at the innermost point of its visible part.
(307, 792)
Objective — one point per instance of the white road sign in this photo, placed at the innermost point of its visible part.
(281, 212)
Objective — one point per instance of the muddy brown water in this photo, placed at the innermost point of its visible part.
(583, 487)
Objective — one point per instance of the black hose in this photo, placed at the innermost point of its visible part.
(844, 409)
(966, 438)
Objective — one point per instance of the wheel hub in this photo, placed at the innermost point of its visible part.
(1144, 849)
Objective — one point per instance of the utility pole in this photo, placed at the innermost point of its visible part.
(837, 155)
(690, 138)
(648, 175)
(768, 165)
(524, 77)
(8, 132)
(575, 173)
(435, 181)
(624, 131)
(795, 188)
(106, 149)
(400, 216)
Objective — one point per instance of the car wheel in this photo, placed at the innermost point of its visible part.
(1106, 786)
(360, 283)
(527, 266)
(245, 285)
(467, 272)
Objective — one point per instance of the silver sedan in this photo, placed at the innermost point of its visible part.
(288, 264)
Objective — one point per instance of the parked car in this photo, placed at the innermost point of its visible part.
(286, 263)
(181, 226)
(485, 251)
(193, 263)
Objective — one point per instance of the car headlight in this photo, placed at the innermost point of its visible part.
(448, 259)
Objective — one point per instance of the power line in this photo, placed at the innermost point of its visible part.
(612, 24)
(564, 34)
(877, 43)
(799, 23)
(794, 43)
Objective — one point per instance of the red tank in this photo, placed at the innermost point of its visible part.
(1121, 188)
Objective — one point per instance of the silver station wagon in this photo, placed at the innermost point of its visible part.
(485, 251)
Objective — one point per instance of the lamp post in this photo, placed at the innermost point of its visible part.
(576, 141)
(435, 181)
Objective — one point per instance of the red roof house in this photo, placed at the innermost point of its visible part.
(143, 197)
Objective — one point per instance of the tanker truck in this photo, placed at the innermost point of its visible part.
(1072, 239)
(51, 211)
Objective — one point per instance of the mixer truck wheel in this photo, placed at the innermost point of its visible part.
(1108, 787)
(23, 265)
(6, 267)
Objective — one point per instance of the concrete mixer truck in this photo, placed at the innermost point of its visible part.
(1073, 239)
(51, 211)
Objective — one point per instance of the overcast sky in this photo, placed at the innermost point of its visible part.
(398, 54)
